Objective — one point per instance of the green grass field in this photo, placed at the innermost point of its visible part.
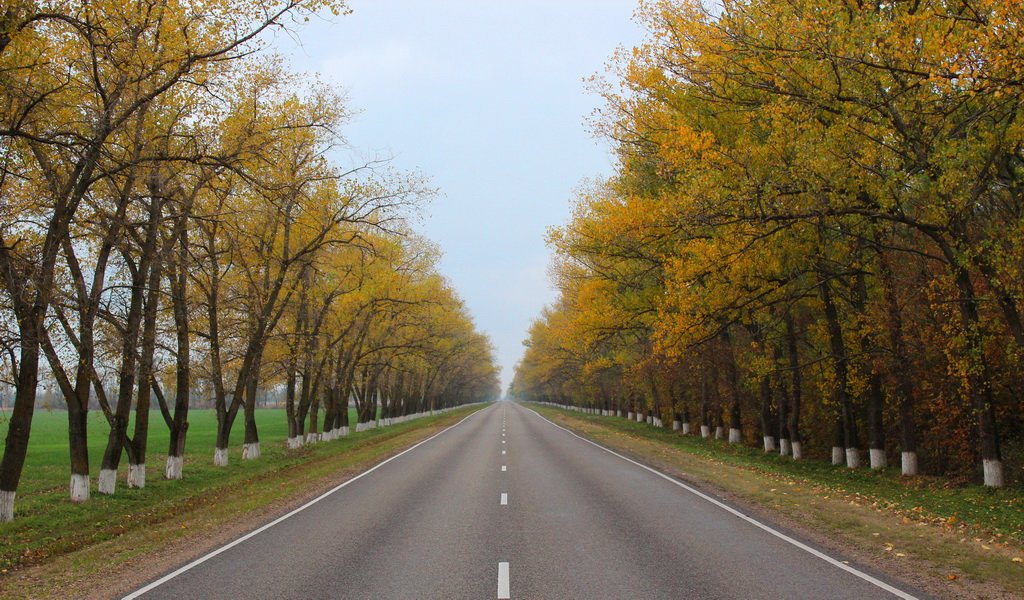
(48, 462)
(48, 524)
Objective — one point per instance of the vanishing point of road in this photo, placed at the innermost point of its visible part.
(506, 504)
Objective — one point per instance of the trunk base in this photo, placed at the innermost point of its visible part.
(705, 431)
(312, 438)
(877, 458)
(107, 481)
(798, 451)
(769, 443)
(686, 429)
(136, 476)
(993, 472)
(784, 448)
(853, 458)
(7, 506)
(294, 442)
(734, 436)
(172, 470)
(837, 455)
(80, 488)
(220, 457)
(631, 415)
(676, 425)
(251, 451)
(908, 460)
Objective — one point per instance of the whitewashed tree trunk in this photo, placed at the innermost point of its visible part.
(993, 472)
(7, 506)
(769, 443)
(908, 461)
(251, 451)
(686, 429)
(705, 431)
(719, 433)
(676, 425)
(876, 456)
(172, 469)
(106, 483)
(853, 458)
(734, 436)
(80, 488)
(220, 457)
(312, 438)
(631, 415)
(837, 455)
(798, 451)
(136, 476)
(344, 430)
(784, 447)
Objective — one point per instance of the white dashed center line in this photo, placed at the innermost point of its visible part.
(504, 499)
(504, 468)
(503, 584)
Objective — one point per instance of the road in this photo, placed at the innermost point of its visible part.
(508, 505)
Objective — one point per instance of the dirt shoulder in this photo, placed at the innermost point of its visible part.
(946, 559)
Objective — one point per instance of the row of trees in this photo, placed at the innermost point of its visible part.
(172, 217)
(814, 233)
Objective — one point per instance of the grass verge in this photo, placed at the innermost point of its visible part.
(56, 549)
(953, 542)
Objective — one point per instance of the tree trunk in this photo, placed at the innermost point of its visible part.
(796, 379)
(900, 366)
(979, 383)
(251, 446)
(841, 391)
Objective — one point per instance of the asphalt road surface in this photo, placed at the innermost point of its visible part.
(508, 505)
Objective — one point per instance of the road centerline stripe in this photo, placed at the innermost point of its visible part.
(503, 582)
(504, 499)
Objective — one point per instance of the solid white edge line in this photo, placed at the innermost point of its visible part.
(255, 532)
(504, 592)
(832, 561)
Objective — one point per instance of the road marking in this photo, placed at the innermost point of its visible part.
(260, 530)
(503, 584)
(504, 499)
(832, 561)
(503, 452)
(502, 441)
(504, 468)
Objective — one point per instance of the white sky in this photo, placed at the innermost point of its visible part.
(487, 99)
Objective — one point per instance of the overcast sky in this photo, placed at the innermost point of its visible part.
(487, 99)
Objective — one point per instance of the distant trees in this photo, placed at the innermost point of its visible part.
(170, 214)
(813, 233)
